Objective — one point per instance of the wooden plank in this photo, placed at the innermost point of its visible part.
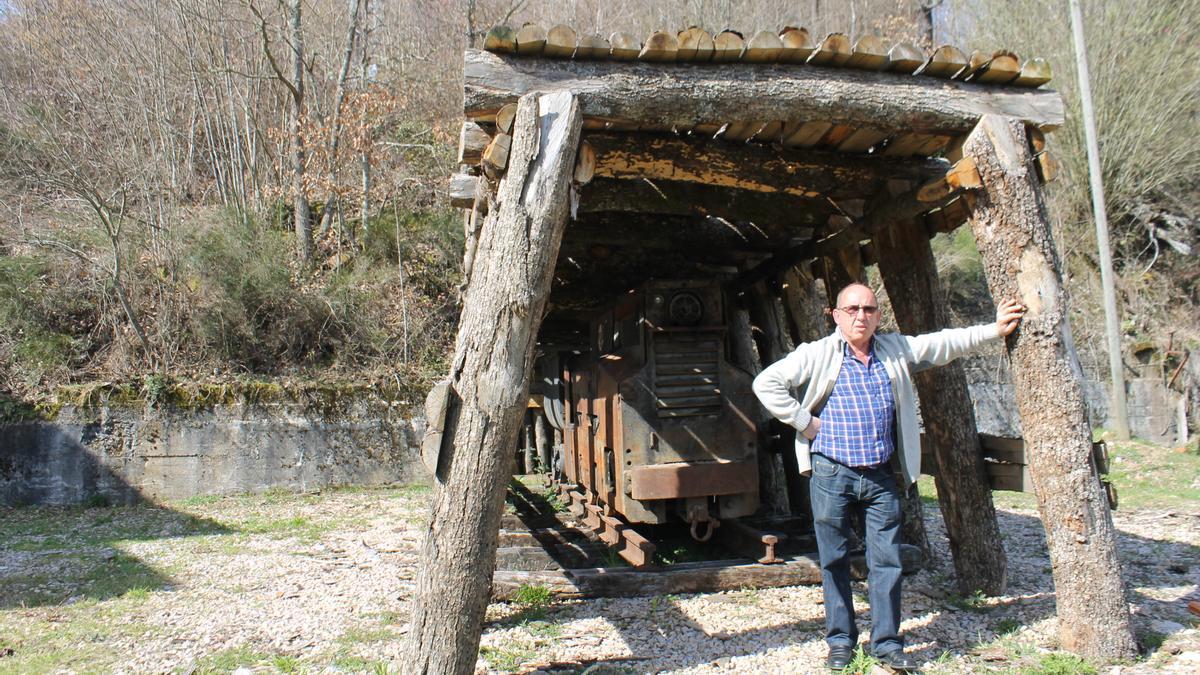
(463, 189)
(561, 42)
(695, 44)
(500, 40)
(797, 45)
(495, 156)
(836, 134)
(592, 47)
(531, 40)
(962, 176)
(728, 46)
(904, 58)
(763, 47)
(1034, 73)
(585, 164)
(1010, 477)
(869, 54)
(646, 94)
(945, 62)
(660, 47)
(706, 576)
(974, 63)
(834, 50)
(807, 135)
(624, 46)
(472, 139)
(905, 145)
(1002, 68)
(1002, 449)
(862, 139)
(741, 131)
(769, 133)
(505, 117)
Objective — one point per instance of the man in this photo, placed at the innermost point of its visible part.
(857, 424)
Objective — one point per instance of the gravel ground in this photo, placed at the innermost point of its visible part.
(321, 582)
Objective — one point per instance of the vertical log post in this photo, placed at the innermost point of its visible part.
(910, 275)
(1012, 231)
(775, 491)
(493, 356)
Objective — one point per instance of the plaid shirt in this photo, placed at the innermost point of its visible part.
(857, 422)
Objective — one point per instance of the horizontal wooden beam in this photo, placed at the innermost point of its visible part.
(800, 173)
(666, 197)
(682, 95)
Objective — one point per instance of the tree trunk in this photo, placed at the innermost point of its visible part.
(1012, 231)
(493, 356)
(910, 274)
(335, 124)
(301, 213)
(772, 481)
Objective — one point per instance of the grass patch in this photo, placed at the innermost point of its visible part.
(281, 528)
(1059, 663)
(364, 635)
(1007, 626)
(1151, 476)
(976, 602)
(228, 660)
(862, 663)
(506, 659)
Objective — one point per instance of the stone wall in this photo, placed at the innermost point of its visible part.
(1153, 407)
(124, 454)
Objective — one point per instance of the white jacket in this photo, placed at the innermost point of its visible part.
(813, 368)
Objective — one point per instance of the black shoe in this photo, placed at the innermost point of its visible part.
(839, 657)
(897, 661)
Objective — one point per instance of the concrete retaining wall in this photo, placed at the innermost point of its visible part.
(124, 455)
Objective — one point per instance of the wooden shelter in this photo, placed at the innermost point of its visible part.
(773, 163)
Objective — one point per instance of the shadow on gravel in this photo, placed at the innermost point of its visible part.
(53, 555)
(1146, 564)
(666, 629)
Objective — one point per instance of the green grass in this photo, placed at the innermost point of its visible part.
(1059, 663)
(1145, 475)
(506, 659)
(227, 660)
(1007, 626)
(862, 663)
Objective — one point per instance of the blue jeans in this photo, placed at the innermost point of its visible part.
(836, 489)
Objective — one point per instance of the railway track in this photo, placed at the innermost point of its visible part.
(555, 538)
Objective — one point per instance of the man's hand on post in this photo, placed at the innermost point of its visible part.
(1008, 316)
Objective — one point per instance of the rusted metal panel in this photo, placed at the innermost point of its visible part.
(693, 479)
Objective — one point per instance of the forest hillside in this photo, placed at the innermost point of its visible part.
(214, 190)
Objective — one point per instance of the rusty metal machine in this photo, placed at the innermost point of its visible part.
(658, 424)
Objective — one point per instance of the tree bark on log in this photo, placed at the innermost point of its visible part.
(772, 483)
(1012, 231)
(909, 273)
(493, 357)
(808, 174)
(684, 95)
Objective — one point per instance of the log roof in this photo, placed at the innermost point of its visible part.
(790, 45)
(741, 157)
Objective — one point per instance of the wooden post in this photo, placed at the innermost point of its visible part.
(775, 491)
(910, 275)
(1112, 329)
(493, 356)
(1012, 231)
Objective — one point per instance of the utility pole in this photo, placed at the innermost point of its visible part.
(1119, 416)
